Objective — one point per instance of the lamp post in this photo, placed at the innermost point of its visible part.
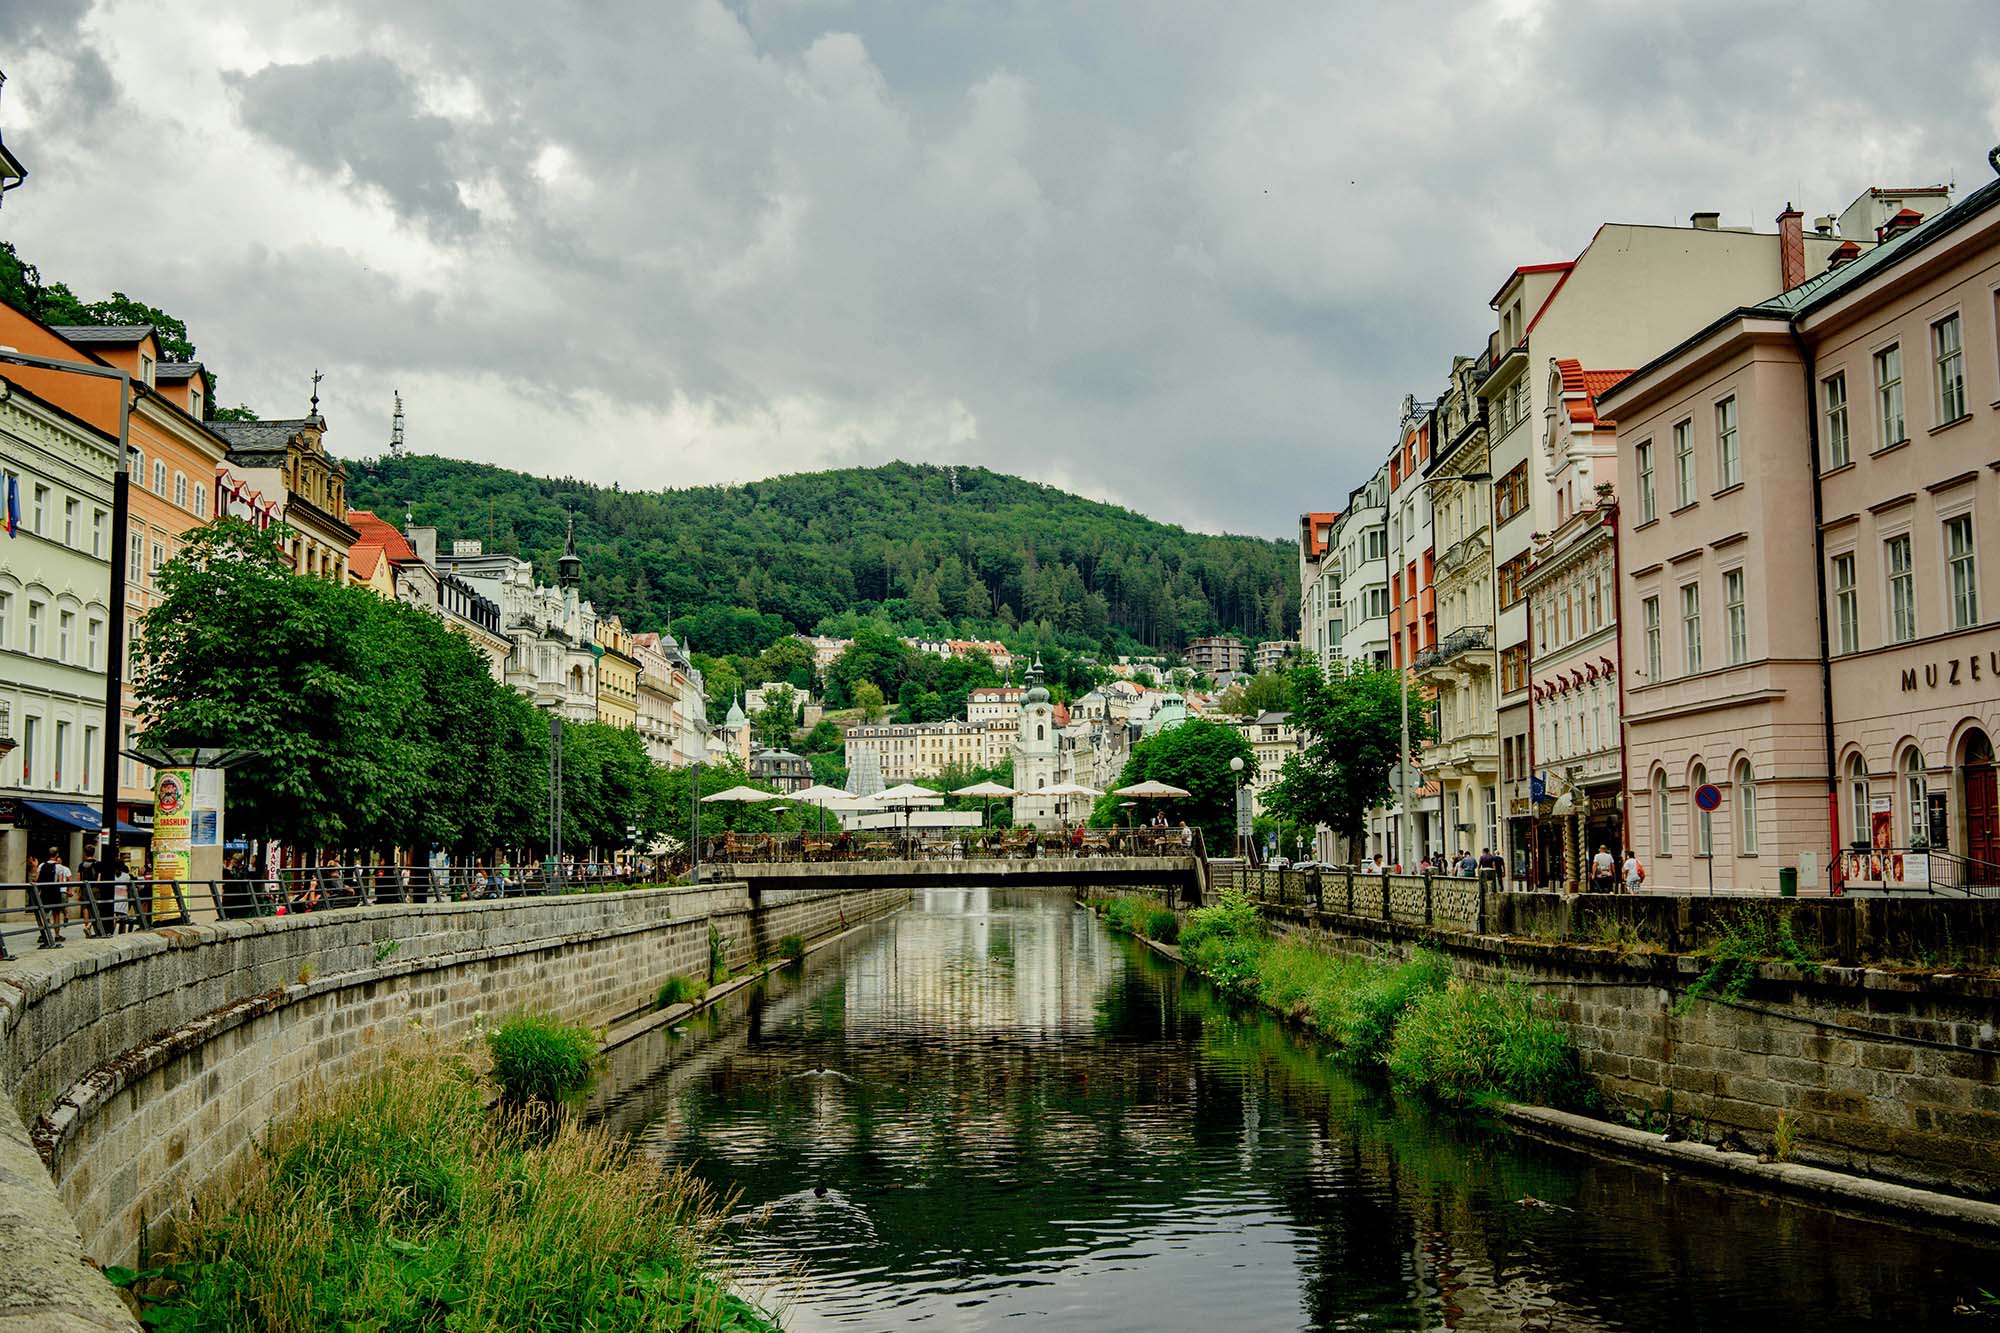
(1236, 771)
(694, 826)
(555, 792)
(121, 499)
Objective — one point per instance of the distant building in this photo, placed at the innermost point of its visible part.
(825, 651)
(994, 701)
(905, 751)
(994, 651)
(1271, 655)
(1214, 655)
(287, 460)
(781, 769)
(1273, 740)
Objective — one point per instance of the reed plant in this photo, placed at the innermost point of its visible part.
(679, 990)
(542, 1060)
(401, 1202)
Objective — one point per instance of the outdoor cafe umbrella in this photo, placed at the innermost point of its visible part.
(823, 796)
(1065, 790)
(906, 798)
(740, 796)
(987, 792)
(1150, 790)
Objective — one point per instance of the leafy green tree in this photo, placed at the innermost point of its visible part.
(1193, 756)
(868, 698)
(1349, 722)
(787, 660)
(1267, 692)
(729, 630)
(999, 812)
(721, 682)
(775, 721)
(824, 738)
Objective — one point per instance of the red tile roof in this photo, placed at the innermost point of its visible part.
(362, 558)
(382, 533)
(1590, 384)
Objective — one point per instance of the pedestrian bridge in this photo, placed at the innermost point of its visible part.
(1184, 873)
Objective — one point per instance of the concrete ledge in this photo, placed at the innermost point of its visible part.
(1806, 1182)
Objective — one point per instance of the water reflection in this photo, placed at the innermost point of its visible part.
(986, 1109)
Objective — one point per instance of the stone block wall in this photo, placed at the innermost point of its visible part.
(146, 1066)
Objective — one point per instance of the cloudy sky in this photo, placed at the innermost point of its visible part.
(1186, 256)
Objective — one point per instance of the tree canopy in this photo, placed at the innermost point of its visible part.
(1349, 722)
(1194, 756)
(934, 552)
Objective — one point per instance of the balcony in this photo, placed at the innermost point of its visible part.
(1466, 639)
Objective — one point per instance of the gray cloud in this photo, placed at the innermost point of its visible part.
(1185, 257)
(361, 114)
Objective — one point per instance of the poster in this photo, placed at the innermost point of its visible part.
(205, 821)
(1881, 825)
(173, 812)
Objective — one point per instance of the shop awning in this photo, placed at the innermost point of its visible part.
(76, 815)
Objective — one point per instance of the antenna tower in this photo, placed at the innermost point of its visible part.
(396, 428)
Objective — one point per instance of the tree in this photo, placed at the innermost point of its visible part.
(1349, 722)
(775, 721)
(1267, 692)
(869, 700)
(1193, 756)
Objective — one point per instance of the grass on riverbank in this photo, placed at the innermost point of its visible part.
(1438, 1036)
(1141, 916)
(400, 1202)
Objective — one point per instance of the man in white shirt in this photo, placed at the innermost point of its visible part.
(1603, 870)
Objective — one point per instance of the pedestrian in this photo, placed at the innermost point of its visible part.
(1488, 860)
(92, 894)
(121, 897)
(52, 888)
(1603, 870)
(1187, 834)
(1635, 873)
(235, 902)
(1467, 865)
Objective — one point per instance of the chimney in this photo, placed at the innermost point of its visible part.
(1791, 248)
(1843, 254)
(1705, 221)
(424, 541)
(1824, 225)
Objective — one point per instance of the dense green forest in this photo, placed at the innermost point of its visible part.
(948, 551)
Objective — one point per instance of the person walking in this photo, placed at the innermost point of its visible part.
(1468, 866)
(1635, 872)
(1603, 870)
(121, 897)
(52, 888)
(93, 894)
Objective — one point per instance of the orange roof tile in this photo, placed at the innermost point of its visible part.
(382, 533)
(362, 559)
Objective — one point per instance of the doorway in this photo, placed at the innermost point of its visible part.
(1982, 810)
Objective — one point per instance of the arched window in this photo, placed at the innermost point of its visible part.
(1703, 821)
(1040, 733)
(1663, 837)
(1857, 800)
(1916, 798)
(1746, 809)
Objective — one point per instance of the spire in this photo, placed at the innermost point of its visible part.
(317, 377)
(569, 569)
(396, 428)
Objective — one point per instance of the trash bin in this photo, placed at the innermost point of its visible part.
(1788, 881)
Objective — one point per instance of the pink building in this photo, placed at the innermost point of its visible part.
(1811, 506)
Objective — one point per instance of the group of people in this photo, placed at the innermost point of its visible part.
(1609, 873)
(100, 888)
(1437, 863)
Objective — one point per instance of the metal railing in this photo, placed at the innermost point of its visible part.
(948, 845)
(1919, 870)
(47, 913)
(1434, 899)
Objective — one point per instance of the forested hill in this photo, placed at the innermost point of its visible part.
(959, 549)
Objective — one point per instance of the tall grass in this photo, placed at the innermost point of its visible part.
(537, 1059)
(1446, 1040)
(399, 1202)
(1141, 916)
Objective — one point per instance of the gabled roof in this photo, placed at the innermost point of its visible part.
(175, 371)
(1590, 384)
(380, 532)
(362, 559)
(259, 436)
(117, 335)
(1563, 265)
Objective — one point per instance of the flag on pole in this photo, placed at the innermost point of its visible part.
(13, 505)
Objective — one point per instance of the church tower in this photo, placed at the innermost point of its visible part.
(1035, 754)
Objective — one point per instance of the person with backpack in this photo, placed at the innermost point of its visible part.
(52, 887)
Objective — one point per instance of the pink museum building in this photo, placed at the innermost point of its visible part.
(1808, 525)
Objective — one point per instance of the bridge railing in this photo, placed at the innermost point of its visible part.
(948, 845)
(46, 914)
(1448, 902)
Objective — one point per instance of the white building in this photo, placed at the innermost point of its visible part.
(552, 629)
(1037, 750)
(55, 577)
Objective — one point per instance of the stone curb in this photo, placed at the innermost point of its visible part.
(1807, 1182)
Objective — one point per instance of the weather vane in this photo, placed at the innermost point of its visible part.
(315, 397)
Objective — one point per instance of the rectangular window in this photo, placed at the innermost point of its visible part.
(35, 610)
(72, 510)
(1647, 506)
(1964, 571)
(1651, 610)
(1902, 590)
(1690, 628)
(1510, 580)
(1511, 495)
(1833, 407)
(31, 727)
(6, 619)
(135, 559)
(1889, 395)
(84, 760)
(98, 521)
(181, 489)
(1735, 618)
(1514, 669)
(1728, 451)
(1683, 464)
(61, 753)
(65, 636)
(93, 643)
(200, 500)
(1950, 359)
(159, 557)
(38, 517)
(1846, 605)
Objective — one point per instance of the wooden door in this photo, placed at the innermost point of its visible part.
(1982, 824)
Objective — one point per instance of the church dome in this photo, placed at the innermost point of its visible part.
(1037, 695)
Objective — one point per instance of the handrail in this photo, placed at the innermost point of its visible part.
(972, 844)
(1918, 870)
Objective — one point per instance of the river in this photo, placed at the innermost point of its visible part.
(987, 1112)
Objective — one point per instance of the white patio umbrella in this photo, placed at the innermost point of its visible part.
(1065, 790)
(826, 798)
(744, 794)
(1152, 791)
(906, 798)
(986, 792)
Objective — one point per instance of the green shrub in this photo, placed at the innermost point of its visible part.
(1163, 925)
(540, 1059)
(792, 946)
(718, 958)
(1754, 935)
(1124, 916)
(1466, 1044)
(679, 990)
(399, 1202)
(1370, 1011)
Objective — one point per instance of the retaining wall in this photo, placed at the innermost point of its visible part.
(145, 1066)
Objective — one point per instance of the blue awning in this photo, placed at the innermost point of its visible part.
(77, 815)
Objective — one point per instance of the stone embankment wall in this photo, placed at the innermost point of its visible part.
(144, 1067)
(1887, 1070)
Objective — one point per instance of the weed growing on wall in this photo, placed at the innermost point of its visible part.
(1755, 935)
(718, 958)
(1464, 1045)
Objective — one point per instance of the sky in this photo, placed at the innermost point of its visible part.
(1188, 257)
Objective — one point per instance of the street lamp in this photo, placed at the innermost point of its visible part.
(694, 825)
(1236, 770)
(121, 499)
(1407, 829)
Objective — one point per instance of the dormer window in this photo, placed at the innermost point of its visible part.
(145, 369)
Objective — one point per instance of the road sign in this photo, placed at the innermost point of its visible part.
(1708, 796)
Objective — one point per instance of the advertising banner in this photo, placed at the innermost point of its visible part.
(173, 815)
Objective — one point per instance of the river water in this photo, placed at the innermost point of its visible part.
(986, 1112)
